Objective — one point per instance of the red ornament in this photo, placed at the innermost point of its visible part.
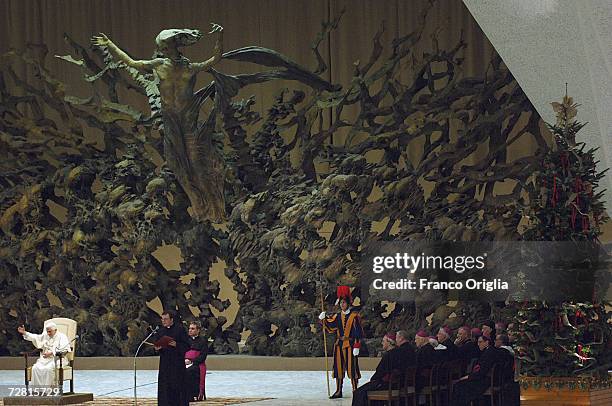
(344, 292)
(578, 189)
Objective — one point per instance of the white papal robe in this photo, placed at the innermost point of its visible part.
(44, 371)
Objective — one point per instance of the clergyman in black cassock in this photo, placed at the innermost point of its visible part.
(466, 348)
(407, 356)
(195, 361)
(444, 338)
(472, 386)
(425, 358)
(171, 376)
(510, 388)
(391, 360)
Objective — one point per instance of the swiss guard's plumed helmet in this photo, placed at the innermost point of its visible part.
(344, 292)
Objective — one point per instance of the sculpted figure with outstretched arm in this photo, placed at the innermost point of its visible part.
(176, 73)
(199, 168)
(169, 79)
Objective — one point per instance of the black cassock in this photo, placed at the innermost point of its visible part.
(477, 382)
(426, 357)
(469, 353)
(511, 389)
(193, 373)
(395, 359)
(171, 375)
(451, 352)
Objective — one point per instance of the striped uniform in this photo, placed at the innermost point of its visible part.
(349, 332)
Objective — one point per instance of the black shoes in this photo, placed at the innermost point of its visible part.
(336, 395)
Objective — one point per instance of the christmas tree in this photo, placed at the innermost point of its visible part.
(562, 339)
(572, 338)
(566, 205)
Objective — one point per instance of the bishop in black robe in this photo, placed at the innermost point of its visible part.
(393, 359)
(472, 386)
(426, 357)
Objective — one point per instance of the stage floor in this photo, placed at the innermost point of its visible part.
(153, 402)
(286, 388)
(219, 402)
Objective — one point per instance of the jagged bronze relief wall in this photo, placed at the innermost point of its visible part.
(284, 182)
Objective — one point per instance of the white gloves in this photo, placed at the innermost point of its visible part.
(356, 351)
(322, 316)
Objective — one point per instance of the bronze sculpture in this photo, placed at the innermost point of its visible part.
(273, 245)
(190, 155)
(188, 146)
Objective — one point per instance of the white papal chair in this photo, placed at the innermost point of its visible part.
(66, 361)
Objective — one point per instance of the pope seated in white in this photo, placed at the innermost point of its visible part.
(49, 342)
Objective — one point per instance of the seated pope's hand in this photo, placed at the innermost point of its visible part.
(47, 354)
(21, 330)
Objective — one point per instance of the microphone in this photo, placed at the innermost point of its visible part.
(153, 331)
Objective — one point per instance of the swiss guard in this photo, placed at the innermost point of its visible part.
(347, 328)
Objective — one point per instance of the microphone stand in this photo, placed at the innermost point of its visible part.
(136, 355)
